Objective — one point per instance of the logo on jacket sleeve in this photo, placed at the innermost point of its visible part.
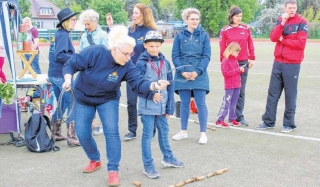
(113, 77)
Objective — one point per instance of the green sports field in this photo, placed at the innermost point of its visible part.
(254, 158)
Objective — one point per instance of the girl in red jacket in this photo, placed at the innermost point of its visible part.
(232, 84)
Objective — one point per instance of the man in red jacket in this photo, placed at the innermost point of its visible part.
(290, 35)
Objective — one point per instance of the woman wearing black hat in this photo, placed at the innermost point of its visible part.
(61, 49)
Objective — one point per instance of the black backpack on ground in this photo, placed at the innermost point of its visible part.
(36, 136)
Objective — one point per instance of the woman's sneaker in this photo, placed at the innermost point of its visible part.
(151, 173)
(97, 130)
(203, 139)
(174, 163)
(113, 178)
(180, 135)
(221, 124)
(93, 165)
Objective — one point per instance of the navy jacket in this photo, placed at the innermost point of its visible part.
(100, 77)
(60, 52)
(138, 34)
(146, 105)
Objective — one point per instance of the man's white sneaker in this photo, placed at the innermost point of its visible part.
(180, 135)
(203, 139)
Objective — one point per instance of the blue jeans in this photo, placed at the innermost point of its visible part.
(66, 100)
(161, 123)
(132, 99)
(200, 99)
(34, 64)
(109, 116)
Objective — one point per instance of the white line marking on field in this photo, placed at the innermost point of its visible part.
(265, 132)
(256, 131)
(313, 76)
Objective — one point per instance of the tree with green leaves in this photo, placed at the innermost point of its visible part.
(165, 16)
(60, 3)
(154, 11)
(156, 5)
(75, 7)
(272, 3)
(115, 7)
(82, 3)
(24, 8)
(169, 5)
(129, 7)
(146, 2)
(269, 17)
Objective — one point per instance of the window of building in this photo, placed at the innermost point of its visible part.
(55, 24)
(45, 11)
(39, 25)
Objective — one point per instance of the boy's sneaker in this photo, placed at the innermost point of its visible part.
(130, 135)
(244, 123)
(151, 173)
(263, 126)
(174, 163)
(234, 123)
(97, 131)
(221, 124)
(180, 135)
(286, 129)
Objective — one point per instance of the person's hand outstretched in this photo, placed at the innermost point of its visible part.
(161, 84)
(109, 20)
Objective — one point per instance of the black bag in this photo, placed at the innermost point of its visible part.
(36, 137)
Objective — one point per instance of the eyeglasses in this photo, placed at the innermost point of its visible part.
(126, 54)
(73, 19)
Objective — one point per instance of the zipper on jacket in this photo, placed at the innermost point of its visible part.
(283, 45)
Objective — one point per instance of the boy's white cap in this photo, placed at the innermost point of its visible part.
(153, 36)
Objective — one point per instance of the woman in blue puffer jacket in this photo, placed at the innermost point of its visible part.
(191, 55)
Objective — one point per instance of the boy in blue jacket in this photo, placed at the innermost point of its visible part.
(155, 107)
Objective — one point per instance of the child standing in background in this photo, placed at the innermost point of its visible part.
(155, 107)
(232, 84)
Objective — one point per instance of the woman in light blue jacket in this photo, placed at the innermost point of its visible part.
(93, 34)
(191, 55)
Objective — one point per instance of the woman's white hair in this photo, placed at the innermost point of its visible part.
(118, 36)
(89, 15)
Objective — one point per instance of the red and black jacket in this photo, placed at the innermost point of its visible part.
(294, 33)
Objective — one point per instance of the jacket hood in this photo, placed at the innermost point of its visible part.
(196, 31)
(231, 57)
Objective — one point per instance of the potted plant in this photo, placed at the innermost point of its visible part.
(6, 92)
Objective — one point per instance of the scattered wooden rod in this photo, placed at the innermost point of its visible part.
(190, 180)
(137, 183)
